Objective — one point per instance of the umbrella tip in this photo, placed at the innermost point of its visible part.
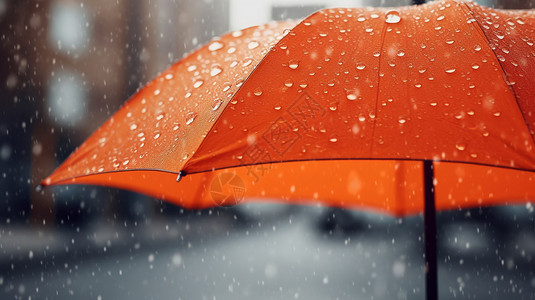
(180, 175)
(418, 2)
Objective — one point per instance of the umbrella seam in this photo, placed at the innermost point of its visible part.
(487, 40)
(186, 165)
(378, 89)
(66, 180)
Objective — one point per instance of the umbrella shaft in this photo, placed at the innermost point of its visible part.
(430, 225)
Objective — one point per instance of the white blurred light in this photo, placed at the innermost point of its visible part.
(68, 27)
(66, 99)
(246, 13)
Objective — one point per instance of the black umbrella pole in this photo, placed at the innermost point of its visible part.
(430, 232)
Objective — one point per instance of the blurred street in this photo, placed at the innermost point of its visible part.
(289, 253)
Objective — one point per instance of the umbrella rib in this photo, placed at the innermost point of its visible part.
(487, 40)
(357, 159)
(184, 167)
(378, 87)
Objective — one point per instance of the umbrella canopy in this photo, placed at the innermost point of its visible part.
(340, 108)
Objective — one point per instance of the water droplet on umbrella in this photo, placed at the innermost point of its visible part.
(477, 48)
(252, 45)
(126, 162)
(475, 66)
(288, 83)
(374, 16)
(215, 70)
(159, 117)
(293, 64)
(402, 121)
(361, 19)
(257, 92)
(169, 76)
(277, 108)
(440, 18)
(392, 17)
(156, 92)
(333, 140)
(215, 46)
(216, 104)
(192, 68)
(497, 114)
(303, 84)
(401, 53)
(198, 83)
(190, 117)
(175, 128)
(450, 70)
(247, 62)
(361, 66)
(352, 94)
(237, 33)
(157, 135)
(133, 127)
(460, 146)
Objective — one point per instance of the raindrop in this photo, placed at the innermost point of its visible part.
(303, 84)
(333, 140)
(198, 83)
(475, 66)
(190, 117)
(401, 53)
(157, 135)
(247, 62)
(252, 45)
(460, 146)
(216, 104)
(169, 76)
(361, 19)
(215, 70)
(449, 42)
(392, 17)
(156, 92)
(352, 94)
(175, 128)
(133, 127)
(288, 83)
(277, 108)
(440, 18)
(237, 33)
(257, 91)
(477, 48)
(402, 121)
(159, 117)
(192, 68)
(293, 64)
(215, 46)
(360, 66)
(449, 71)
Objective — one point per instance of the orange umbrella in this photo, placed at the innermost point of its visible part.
(376, 109)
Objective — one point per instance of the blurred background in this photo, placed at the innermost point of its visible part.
(68, 65)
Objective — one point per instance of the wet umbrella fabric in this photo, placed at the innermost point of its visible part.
(349, 107)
